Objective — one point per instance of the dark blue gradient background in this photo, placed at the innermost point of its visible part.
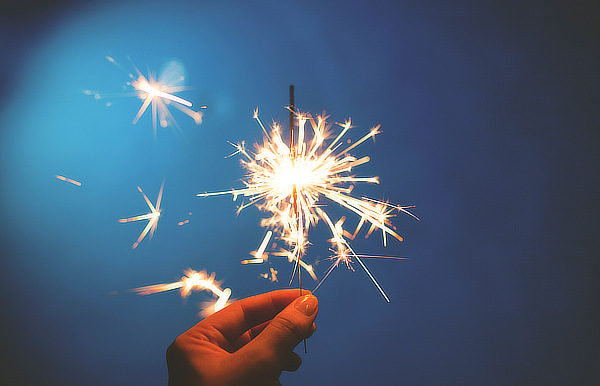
(490, 119)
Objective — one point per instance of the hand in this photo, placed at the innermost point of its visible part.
(249, 342)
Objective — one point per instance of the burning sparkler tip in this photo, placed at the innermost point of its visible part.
(289, 182)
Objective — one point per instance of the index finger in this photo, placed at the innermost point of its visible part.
(237, 318)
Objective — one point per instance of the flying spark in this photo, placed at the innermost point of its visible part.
(192, 281)
(151, 216)
(159, 94)
(62, 178)
(271, 275)
(186, 221)
(293, 184)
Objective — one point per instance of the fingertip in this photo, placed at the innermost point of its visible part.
(312, 330)
(292, 362)
(307, 304)
(289, 327)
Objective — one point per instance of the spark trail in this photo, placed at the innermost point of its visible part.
(192, 281)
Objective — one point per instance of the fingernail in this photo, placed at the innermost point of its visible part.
(307, 304)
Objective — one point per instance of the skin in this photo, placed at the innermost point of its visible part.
(249, 342)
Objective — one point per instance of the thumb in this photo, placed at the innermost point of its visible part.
(268, 354)
(289, 327)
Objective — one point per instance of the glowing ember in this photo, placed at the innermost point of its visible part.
(271, 275)
(186, 221)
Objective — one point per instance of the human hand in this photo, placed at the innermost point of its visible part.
(249, 342)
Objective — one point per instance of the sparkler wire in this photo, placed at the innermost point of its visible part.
(295, 192)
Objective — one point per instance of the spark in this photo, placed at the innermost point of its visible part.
(293, 185)
(259, 255)
(151, 216)
(192, 281)
(271, 275)
(62, 178)
(186, 221)
(158, 94)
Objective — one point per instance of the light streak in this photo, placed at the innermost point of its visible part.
(143, 85)
(259, 255)
(151, 216)
(312, 173)
(62, 178)
(158, 94)
(192, 281)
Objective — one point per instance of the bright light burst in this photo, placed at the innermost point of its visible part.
(291, 184)
(159, 94)
(193, 281)
(152, 216)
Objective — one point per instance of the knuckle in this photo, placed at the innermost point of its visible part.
(176, 345)
(172, 350)
(176, 350)
(265, 358)
(288, 326)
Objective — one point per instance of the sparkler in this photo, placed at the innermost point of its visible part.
(192, 281)
(293, 184)
(151, 216)
(159, 94)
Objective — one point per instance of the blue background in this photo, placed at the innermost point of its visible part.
(490, 119)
